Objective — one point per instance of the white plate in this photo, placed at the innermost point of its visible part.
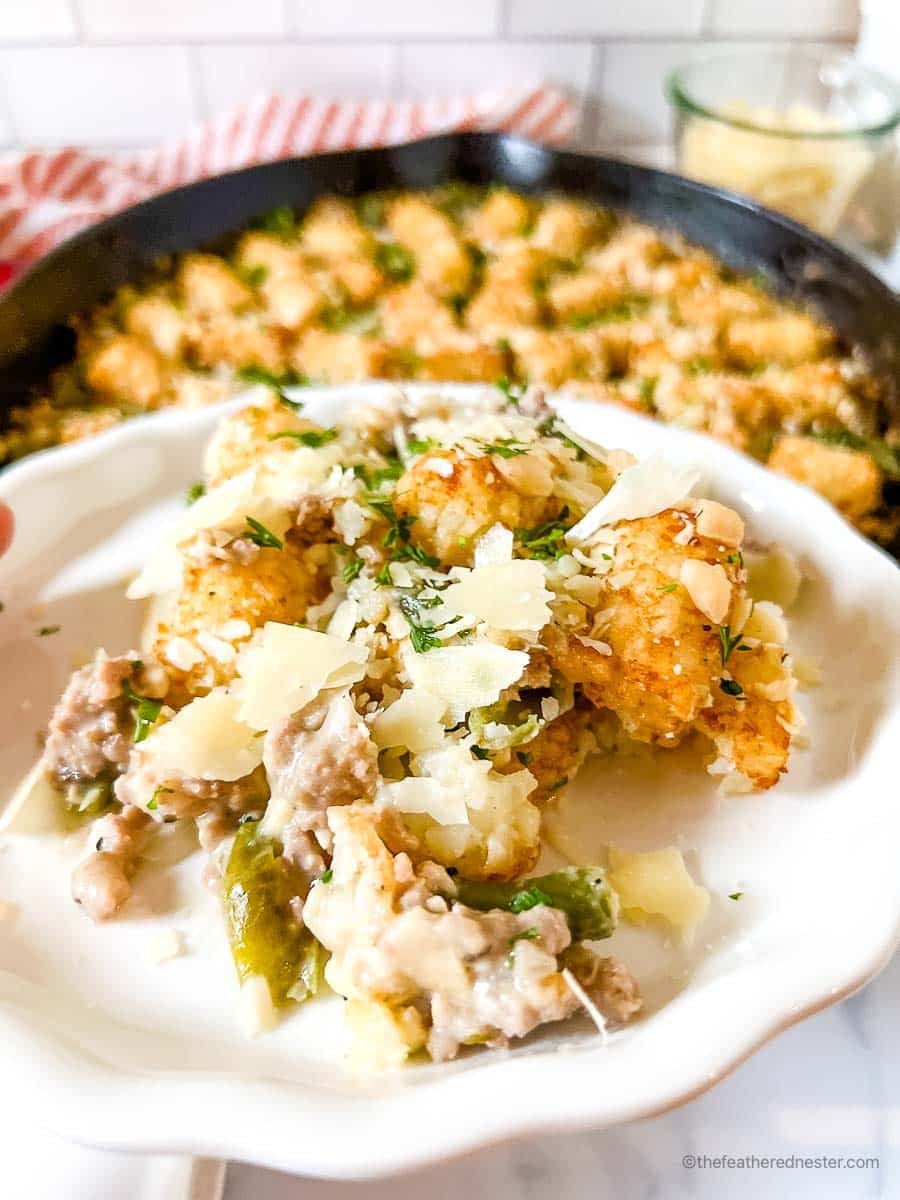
(107, 1048)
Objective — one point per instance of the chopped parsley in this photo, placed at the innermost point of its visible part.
(370, 210)
(512, 391)
(735, 895)
(479, 752)
(420, 445)
(887, 458)
(307, 437)
(396, 261)
(422, 637)
(701, 365)
(397, 537)
(352, 569)
(195, 491)
(528, 898)
(253, 276)
(668, 587)
(626, 311)
(389, 474)
(525, 935)
(256, 374)
(728, 643)
(647, 392)
(506, 447)
(524, 757)
(153, 802)
(326, 876)
(48, 630)
(546, 541)
(731, 687)
(364, 321)
(146, 711)
(281, 221)
(257, 533)
(736, 559)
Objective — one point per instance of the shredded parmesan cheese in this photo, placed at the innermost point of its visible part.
(466, 677)
(509, 595)
(640, 491)
(288, 666)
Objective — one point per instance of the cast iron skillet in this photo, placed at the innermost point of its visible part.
(34, 336)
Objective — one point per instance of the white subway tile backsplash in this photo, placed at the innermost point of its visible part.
(632, 103)
(439, 69)
(170, 20)
(92, 95)
(36, 21)
(229, 74)
(394, 18)
(605, 18)
(785, 18)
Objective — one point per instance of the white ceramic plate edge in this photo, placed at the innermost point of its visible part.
(83, 1098)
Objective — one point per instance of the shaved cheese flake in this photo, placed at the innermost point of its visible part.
(586, 1002)
(709, 588)
(594, 449)
(344, 620)
(657, 883)
(722, 524)
(495, 547)
(466, 677)
(766, 622)
(207, 739)
(413, 721)
(510, 595)
(643, 490)
(288, 666)
(773, 575)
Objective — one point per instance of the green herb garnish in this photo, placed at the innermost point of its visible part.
(281, 221)
(480, 752)
(731, 687)
(727, 642)
(396, 261)
(145, 714)
(420, 445)
(887, 458)
(48, 630)
(307, 437)
(253, 276)
(668, 587)
(326, 876)
(352, 569)
(422, 637)
(512, 391)
(647, 392)
(546, 541)
(195, 491)
(257, 533)
(153, 802)
(506, 447)
(735, 895)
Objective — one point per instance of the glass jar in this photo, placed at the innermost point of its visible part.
(814, 136)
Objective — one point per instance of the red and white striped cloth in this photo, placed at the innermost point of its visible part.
(46, 196)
